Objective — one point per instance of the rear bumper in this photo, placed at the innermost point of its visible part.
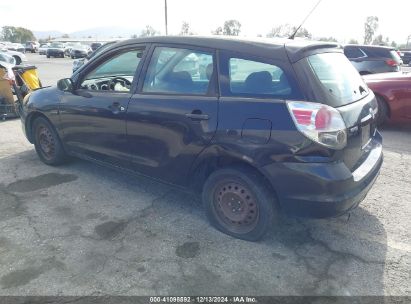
(324, 189)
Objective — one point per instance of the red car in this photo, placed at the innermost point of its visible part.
(393, 92)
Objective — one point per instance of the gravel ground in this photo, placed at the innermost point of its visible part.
(81, 229)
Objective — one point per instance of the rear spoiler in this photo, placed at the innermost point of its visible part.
(295, 54)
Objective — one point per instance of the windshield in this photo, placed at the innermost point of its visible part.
(56, 45)
(339, 78)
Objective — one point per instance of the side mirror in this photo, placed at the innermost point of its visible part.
(65, 85)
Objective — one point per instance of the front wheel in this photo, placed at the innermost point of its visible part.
(238, 203)
(47, 143)
(18, 60)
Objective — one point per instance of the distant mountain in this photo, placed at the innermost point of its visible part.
(47, 34)
(106, 32)
(98, 32)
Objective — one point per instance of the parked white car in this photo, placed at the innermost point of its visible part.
(19, 57)
(43, 49)
(18, 47)
(8, 63)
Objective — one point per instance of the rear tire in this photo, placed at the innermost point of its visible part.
(382, 114)
(47, 143)
(238, 203)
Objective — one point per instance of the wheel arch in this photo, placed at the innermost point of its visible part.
(211, 162)
(385, 100)
(29, 123)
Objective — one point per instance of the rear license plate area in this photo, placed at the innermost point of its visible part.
(365, 135)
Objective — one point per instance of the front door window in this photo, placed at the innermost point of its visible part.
(115, 74)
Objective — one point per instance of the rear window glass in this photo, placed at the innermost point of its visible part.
(339, 78)
(353, 52)
(249, 77)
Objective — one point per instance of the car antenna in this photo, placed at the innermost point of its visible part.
(309, 14)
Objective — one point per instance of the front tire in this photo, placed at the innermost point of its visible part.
(47, 143)
(238, 203)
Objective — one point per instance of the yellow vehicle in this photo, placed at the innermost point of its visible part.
(24, 81)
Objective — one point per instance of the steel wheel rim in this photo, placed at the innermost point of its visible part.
(46, 142)
(235, 207)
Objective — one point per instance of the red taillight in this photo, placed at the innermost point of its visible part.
(319, 122)
(322, 119)
(391, 62)
(303, 117)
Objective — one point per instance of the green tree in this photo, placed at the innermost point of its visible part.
(185, 29)
(370, 27)
(353, 41)
(65, 36)
(286, 30)
(232, 28)
(148, 31)
(218, 31)
(283, 30)
(16, 34)
(327, 39)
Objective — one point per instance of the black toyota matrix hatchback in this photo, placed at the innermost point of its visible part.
(254, 126)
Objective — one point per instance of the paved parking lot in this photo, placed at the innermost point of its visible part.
(81, 229)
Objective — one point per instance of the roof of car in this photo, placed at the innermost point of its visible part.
(264, 47)
(365, 46)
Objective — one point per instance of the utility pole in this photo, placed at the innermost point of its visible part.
(408, 40)
(165, 15)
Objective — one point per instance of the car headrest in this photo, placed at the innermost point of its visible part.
(180, 78)
(259, 82)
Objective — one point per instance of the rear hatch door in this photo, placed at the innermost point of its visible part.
(329, 78)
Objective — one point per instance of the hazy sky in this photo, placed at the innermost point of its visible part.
(343, 19)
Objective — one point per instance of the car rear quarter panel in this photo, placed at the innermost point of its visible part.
(396, 93)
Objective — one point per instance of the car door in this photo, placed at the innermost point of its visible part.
(173, 115)
(93, 116)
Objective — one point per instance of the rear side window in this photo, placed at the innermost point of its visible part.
(354, 53)
(179, 71)
(253, 78)
(339, 79)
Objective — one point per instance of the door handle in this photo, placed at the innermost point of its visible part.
(116, 108)
(197, 115)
